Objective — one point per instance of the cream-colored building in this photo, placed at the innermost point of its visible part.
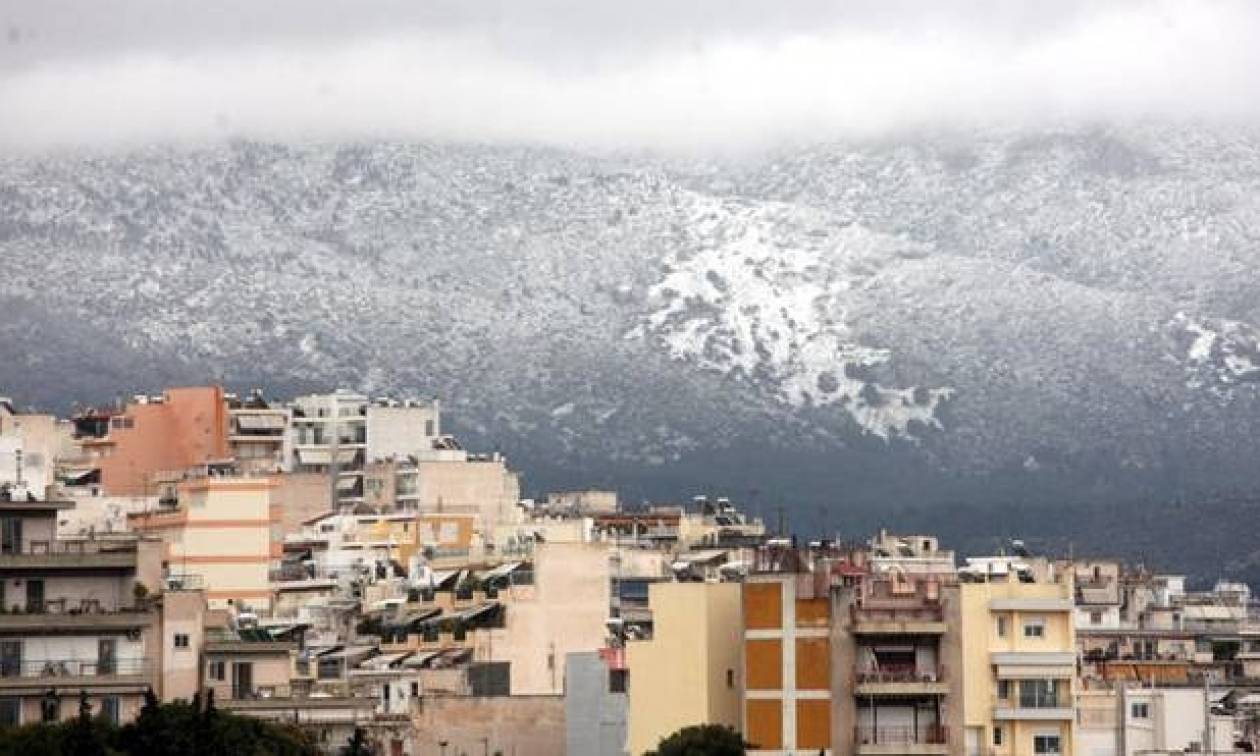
(219, 535)
(688, 672)
(1127, 720)
(1019, 658)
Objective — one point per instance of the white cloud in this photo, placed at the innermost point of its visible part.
(727, 91)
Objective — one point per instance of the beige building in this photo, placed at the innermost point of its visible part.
(29, 448)
(566, 610)
(219, 535)
(86, 614)
(1019, 657)
(1128, 719)
(688, 672)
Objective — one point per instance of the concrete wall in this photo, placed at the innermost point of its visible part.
(566, 612)
(40, 439)
(487, 488)
(511, 726)
(595, 717)
(679, 677)
(269, 670)
(400, 431)
(183, 613)
(188, 428)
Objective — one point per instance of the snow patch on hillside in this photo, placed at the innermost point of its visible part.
(760, 295)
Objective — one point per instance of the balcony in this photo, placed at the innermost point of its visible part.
(44, 673)
(901, 680)
(893, 617)
(71, 555)
(886, 741)
(56, 619)
(1034, 705)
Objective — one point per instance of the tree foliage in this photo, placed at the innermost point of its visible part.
(702, 740)
(174, 729)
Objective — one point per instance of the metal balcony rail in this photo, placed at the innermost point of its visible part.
(922, 735)
(902, 673)
(1035, 699)
(887, 611)
(76, 547)
(52, 668)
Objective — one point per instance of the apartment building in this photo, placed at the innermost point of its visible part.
(341, 432)
(787, 661)
(83, 615)
(128, 449)
(1128, 719)
(1019, 657)
(258, 434)
(897, 650)
(218, 534)
(688, 672)
(29, 447)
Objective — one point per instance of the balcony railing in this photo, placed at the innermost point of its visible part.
(1035, 700)
(75, 547)
(922, 735)
(902, 673)
(75, 668)
(894, 611)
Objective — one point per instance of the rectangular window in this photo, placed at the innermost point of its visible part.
(1141, 710)
(1035, 628)
(109, 709)
(415, 690)
(1046, 745)
(1001, 627)
(997, 736)
(10, 711)
(1095, 618)
(217, 670)
(181, 641)
(616, 681)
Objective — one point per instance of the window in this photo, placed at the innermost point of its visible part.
(1046, 745)
(997, 736)
(109, 709)
(1095, 618)
(730, 678)
(616, 681)
(10, 711)
(1141, 710)
(181, 641)
(217, 670)
(1035, 628)
(1004, 689)
(1001, 627)
(415, 690)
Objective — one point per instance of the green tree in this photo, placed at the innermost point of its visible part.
(702, 740)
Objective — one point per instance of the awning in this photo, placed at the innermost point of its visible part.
(501, 570)
(314, 456)
(420, 659)
(385, 661)
(352, 654)
(417, 616)
(476, 611)
(81, 477)
(1210, 613)
(260, 422)
(346, 484)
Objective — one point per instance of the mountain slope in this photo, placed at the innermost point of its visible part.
(984, 317)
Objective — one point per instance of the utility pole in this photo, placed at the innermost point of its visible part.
(1207, 716)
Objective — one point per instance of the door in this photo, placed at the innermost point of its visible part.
(10, 658)
(10, 535)
(242, 680)
(106, 656)
(34, 596)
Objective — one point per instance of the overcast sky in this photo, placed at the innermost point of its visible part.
(665, 74)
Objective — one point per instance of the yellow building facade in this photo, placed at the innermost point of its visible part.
(688, 673)
(1019, 663)
(219, 535)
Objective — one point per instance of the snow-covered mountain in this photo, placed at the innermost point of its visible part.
(994, 316)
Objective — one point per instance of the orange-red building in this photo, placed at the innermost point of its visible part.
(183, 428)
